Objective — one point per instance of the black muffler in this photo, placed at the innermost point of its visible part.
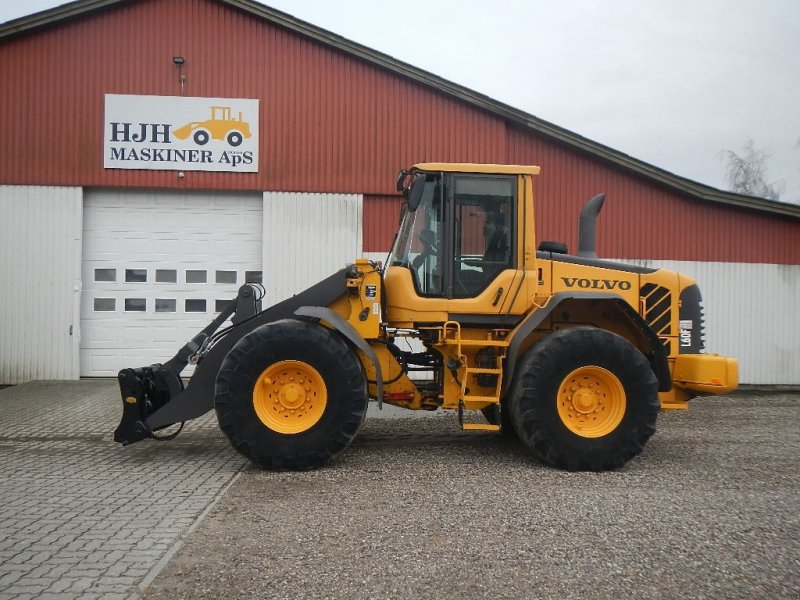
(587, 226)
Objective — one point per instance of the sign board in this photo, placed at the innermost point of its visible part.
(176, 133)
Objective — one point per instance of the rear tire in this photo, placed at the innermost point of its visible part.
(290, 395)
(584, 399)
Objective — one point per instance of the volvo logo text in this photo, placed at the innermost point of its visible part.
(596, 284)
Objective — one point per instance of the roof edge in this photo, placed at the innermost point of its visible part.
(53, 15)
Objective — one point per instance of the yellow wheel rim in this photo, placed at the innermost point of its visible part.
(591, 402)
(290, 396)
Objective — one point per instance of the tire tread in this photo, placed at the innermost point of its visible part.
(241, 369)
(533, 407)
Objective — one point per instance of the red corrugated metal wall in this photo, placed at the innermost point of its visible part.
(643, 220)
(381, 218)
(328, 123)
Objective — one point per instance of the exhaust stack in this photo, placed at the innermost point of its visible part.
(587, 226)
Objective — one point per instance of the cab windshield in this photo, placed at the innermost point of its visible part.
(418, 245)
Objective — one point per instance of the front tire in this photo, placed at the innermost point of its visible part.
(584, 399)
(290, 395)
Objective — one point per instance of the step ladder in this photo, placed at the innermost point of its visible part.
(459, 342)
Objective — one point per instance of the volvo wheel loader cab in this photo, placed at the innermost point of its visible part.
(573, 354)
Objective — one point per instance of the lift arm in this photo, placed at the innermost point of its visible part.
(154, 397)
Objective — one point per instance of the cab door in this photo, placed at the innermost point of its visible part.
(483, 251)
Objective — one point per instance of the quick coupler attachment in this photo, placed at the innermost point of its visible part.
(144, 391)
(132, 427)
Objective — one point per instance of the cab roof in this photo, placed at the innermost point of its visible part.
(477, 168)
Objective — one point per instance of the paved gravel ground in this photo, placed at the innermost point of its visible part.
(82, 518)
(417, 509)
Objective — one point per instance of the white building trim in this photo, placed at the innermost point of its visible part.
(750, 308)
(40, 257)
(308, 237)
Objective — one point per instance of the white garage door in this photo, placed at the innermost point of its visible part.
(157, 267)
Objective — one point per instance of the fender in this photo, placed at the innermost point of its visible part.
(348, 331)
(657, 355)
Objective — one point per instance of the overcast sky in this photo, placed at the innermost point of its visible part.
(670, 82)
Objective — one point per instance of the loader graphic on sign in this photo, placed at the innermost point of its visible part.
(221, 126)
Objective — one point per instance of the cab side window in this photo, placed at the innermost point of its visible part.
(483, 232)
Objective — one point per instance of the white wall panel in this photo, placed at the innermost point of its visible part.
(306, 238)
(750, 311)
(40, 246)
(751, 314)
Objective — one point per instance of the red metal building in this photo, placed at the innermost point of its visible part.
(335, 122)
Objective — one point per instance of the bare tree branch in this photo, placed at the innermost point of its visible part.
(747, 173)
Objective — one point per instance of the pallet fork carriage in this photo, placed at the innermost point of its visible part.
(572, 354)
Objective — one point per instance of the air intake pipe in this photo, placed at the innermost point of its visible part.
(587, 226)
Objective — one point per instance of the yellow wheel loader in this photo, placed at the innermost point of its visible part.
(572, 354)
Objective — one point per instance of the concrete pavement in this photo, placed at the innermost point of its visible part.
(82, 517)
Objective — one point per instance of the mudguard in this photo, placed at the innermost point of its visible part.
(657, 355)
(349, 332)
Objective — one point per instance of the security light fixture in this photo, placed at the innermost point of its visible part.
(179, 61)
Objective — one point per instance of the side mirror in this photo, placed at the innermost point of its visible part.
(400, 181)
(415, 192)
